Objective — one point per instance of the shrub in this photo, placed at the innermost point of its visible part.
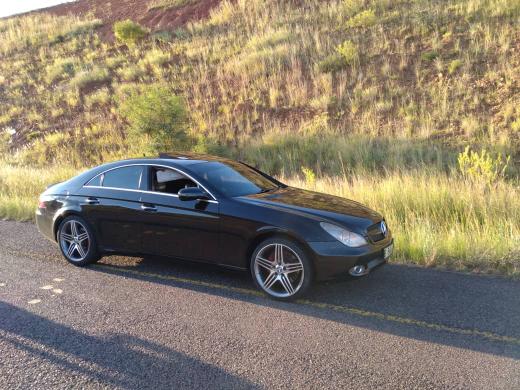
(115, 62)
(365, 18)
(155, 112)
(429, 56)
(454, 65)
(60, 69)
(131, 73)
(310, 176)
(482, 167)
(351, 7)
(348, 51)
(157, 57)
(101, 97)
(332, 63)
(87, 78)
(129, 32)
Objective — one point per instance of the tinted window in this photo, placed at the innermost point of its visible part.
(127, 178)
(233, 179)
(95, 181)
(169, 181)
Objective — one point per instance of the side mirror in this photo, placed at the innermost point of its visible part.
(192, 193)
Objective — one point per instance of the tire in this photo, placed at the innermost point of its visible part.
(77, 241)
(285, 280)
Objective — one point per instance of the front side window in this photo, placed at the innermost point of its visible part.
(169, 181)
(125, 178)
(233, 178)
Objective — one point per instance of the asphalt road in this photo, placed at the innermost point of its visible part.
(153, 323)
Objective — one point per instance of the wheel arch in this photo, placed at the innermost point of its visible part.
(60, 217)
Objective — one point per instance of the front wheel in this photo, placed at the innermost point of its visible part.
(77, 241)
(281, 268)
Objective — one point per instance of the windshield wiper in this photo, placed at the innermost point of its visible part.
(268, 190)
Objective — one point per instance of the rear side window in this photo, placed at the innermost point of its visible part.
(95, 181)
(126, 178)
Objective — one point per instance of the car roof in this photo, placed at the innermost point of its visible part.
(173, 159)
(190, 158)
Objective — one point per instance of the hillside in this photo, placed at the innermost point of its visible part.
(371, 99)
(445, 72)
(155, 14)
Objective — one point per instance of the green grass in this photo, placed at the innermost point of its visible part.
(21, 186)
(438, 220)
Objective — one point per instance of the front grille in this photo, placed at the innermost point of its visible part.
(375, 233)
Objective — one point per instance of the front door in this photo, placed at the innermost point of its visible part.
(175, 228)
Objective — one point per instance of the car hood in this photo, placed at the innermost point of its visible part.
(317, 206)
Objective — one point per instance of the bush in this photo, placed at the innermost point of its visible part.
(101, 97)
(157, 57)
(349, 51)
(155, 112)
(88, 78)
(365, 18)
(482, 167)
(332, 63)
(129, 32)
(60, 69)
(130, 73)
(310, 176)
(429, 56)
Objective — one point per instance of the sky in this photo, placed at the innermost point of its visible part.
(11, 7)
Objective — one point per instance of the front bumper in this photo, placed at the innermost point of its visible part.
(333, 259)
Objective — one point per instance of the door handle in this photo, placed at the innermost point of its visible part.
(91, 200)
(148, 208)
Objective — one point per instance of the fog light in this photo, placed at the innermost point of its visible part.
(358, 270)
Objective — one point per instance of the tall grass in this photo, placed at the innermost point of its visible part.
(42, 28)
(437, 220)
(21, 186)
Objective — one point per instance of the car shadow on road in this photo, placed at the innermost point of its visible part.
(479, 313)
(119, 360)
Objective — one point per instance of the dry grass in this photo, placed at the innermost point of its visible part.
(438, 220)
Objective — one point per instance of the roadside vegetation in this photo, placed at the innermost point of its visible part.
(409, 106)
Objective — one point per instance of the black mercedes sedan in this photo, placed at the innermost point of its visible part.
(213, 210)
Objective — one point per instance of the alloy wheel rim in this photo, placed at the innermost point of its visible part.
(279, 270)
(74, 240)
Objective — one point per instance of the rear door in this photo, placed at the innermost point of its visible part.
(175, 228)
(112, 206)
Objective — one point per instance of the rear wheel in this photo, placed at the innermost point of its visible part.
(77, 241)
(281, 268)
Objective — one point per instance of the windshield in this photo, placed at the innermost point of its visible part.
(233, 178)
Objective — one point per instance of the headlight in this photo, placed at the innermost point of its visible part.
(346, 237)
